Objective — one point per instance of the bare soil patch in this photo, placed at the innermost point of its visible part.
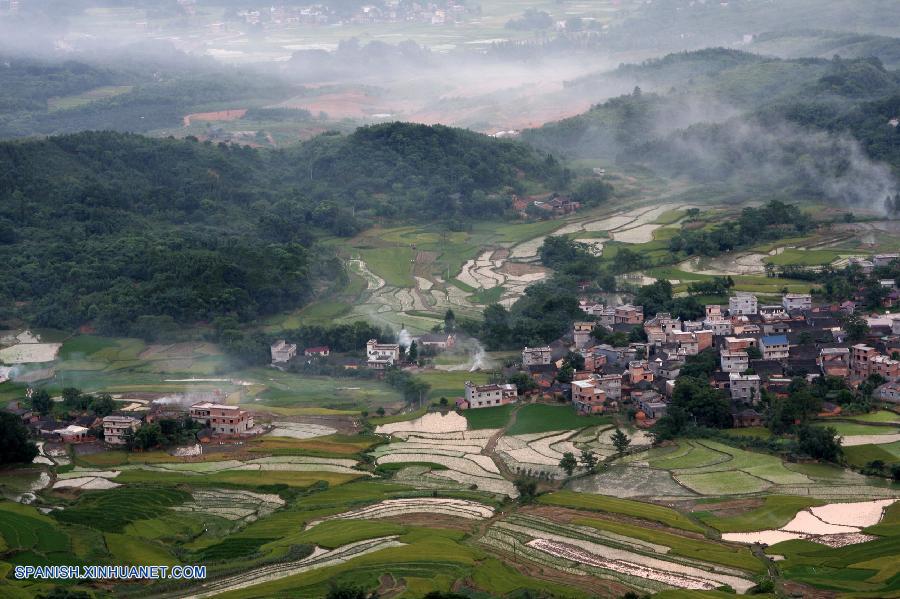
(221, 115)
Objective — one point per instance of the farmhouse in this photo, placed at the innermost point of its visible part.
(321, 350)
(483, 396)
(115, 428)
(588, 397)
(536, 356)
(222, 419)
(381, 355)
(437, 341)
(283, 351)
(74, 434)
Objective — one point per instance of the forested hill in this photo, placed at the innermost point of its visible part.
(108, 227)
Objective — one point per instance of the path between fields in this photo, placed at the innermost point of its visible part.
(491, 446)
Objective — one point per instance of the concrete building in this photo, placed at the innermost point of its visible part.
(774, 347)
(628, 314)
(734, 361)
(536, 356)
(484, 396)
(660, 327)
(889, 392)
(744, 387)
(611, 384)
(115, 428)
(587, 397)
(742, 304)
(381, 355)
(582, 334)
(719, 326)
(74, 434)
(834, 361)
(796, 301)
(222, 419)
(437, 341)
(638, 371)
(880, 260)
(283, 351)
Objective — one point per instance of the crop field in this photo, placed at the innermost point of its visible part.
(774, 512)
(77, 100)
(541, 418)
(624, 507)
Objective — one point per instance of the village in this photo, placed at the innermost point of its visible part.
(757, 349)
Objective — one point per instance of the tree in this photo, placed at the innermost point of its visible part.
(895, 472)
(412, 354)
(347, 591)
(380, 411)
(855, 326)
(819, 443)
(449, 321)
(146, 437)
(103, 405)
(523, 382)
(589, 460)
(700, 400)
(620, 441)
(753, 353)
(527, 489)
(568, 462)
(15, 445)
(41, 402)
(574, 360)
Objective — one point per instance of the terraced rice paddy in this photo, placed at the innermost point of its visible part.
(834, 525)
(577, 549)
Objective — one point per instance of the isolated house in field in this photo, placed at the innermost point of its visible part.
(283, 351)
(116, 428)
(320, 351)
(381, 355)
(437, 341)
(536, 356)
(222, 419)
(485, 396)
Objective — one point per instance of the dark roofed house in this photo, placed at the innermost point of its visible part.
(438, 340)
(746, 418)
(767, 369)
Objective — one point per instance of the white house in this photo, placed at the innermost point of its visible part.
(796, 301)
(115, 428)
(744, 387)
(283, 351)
(742, 303)
(381, 355)
(536, 356)
(484, 396)
(734, 361)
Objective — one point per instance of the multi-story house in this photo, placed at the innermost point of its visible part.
(774, 347)
(742, 304)
(484, 396)
(283, 351)
(381, 355)
(536, 356)
(582, 333)
(611, 384)
(834, 361)
(628, 314)
(117, 428)
(588, 397)
(734, 361)
(222, 419)
(639, 370)
(719, 326)
(796, 301)
(660, 326)
(744, 387)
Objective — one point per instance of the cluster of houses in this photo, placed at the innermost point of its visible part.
(379, 356)
(217, 421)
(390, 11)
(551, 204)
(757, 346)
